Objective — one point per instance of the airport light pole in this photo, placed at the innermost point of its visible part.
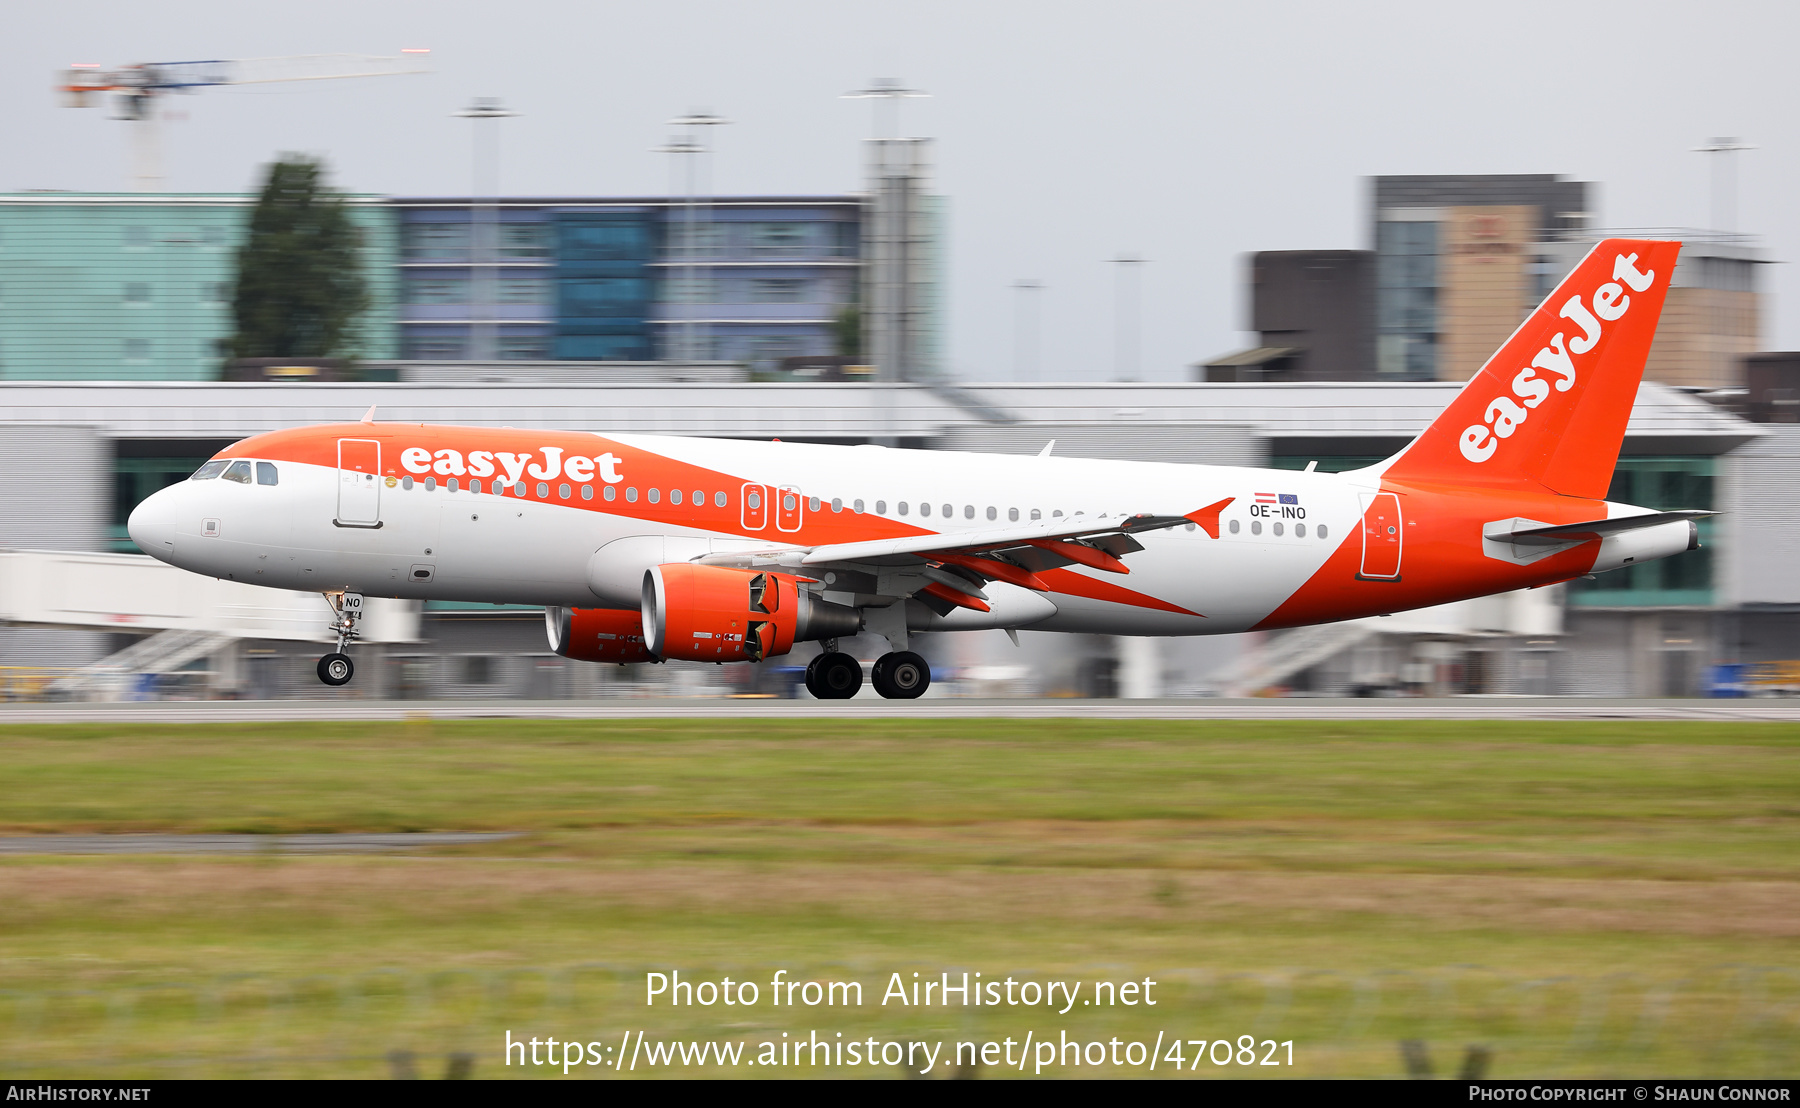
(1126, 322)
(688, 152)
(1025, 328)
(1724, 180)
(887, 246)
(887, 92)
(483, 252)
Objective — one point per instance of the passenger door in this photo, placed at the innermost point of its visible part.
(1383, 532)
(359, 483)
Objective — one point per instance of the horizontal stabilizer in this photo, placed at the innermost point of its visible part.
(1554, 534)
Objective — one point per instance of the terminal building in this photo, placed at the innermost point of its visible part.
(750, 281)
(138, 287)
(1652, 630)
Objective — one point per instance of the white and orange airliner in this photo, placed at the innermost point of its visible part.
(643, 548)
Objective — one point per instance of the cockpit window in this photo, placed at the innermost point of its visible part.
(266, 475)
(208, 471)
(239, 472)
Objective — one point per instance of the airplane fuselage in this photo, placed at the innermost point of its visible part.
(645, 547)
(1292, 547)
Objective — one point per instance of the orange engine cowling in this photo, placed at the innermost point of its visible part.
(597, 635)
(715, 614)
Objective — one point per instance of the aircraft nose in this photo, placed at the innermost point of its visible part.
(152, 524)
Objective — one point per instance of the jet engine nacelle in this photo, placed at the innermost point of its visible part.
(597, 634)
(715, 614)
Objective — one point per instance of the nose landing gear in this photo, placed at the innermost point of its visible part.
(336, 668)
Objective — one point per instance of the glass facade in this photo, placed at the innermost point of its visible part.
(1664, 484)
(604, 280)
(438, 298)
(741, 281)
(138, 287)
(756, 284)
(1406, 299)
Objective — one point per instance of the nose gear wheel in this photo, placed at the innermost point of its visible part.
(336, 669)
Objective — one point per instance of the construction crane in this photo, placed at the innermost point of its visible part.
(137, 90)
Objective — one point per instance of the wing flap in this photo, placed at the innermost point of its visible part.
(987, 538)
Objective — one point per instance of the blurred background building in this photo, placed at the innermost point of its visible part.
(668, 315)
(1457, 262)
(138, 287)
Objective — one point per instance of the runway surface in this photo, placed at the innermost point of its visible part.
(242, 844)
(1294, 708)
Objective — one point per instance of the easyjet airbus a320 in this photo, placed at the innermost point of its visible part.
(644, 548)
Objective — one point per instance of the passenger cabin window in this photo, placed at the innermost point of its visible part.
(239, 472)
(266, 475)
(208, 471)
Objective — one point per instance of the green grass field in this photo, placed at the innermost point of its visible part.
(1580, 898)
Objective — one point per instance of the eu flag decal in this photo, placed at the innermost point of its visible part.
(1290, 498)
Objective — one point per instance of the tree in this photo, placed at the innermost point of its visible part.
(846, 331)
(300, 287)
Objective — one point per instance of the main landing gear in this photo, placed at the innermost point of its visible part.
(901, 675)
(833, 675)
(336, 668)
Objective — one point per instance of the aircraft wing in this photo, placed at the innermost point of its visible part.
(957, 564)
(991, 538)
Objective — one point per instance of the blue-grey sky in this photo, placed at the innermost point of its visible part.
(1067, 133)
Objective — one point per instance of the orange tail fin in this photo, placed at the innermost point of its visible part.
(1550, 407)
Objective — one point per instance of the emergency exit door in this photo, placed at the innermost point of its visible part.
(790, 507)
(756, 507)
(1383, 533)
(359, 483)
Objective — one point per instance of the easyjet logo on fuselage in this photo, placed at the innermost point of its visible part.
(1505, 414)
(515, 467)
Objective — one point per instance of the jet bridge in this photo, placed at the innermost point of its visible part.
(182, 616)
